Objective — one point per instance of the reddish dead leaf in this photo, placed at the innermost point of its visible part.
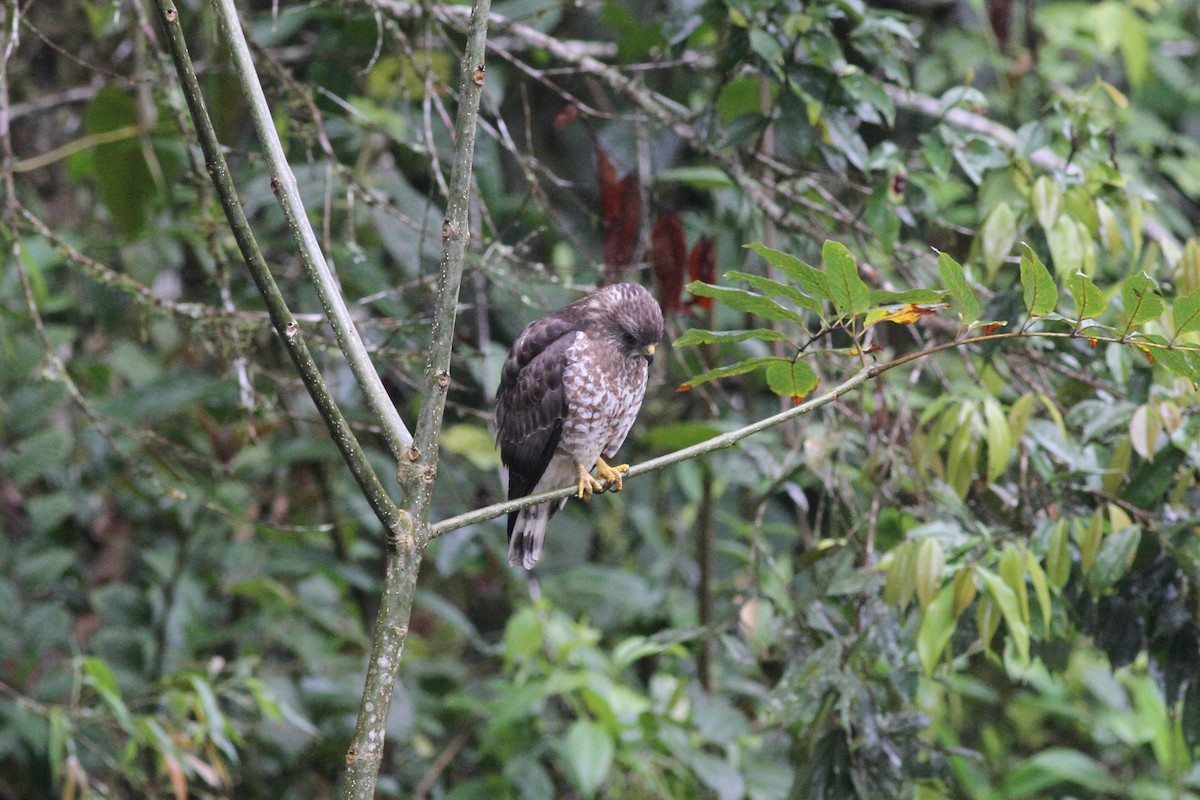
(668, 251)
(702, 266)
(562, 119)
(1093, 343)
(907, 315)
(1149, 354)
(1000, 15)
(992, 327)
(621, 207)
(685, 387)
(178, 778)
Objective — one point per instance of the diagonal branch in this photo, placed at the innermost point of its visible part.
(281, 316)
(283, 181)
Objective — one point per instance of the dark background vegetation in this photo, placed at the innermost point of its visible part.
(974, 577)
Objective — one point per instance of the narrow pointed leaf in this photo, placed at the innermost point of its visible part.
(727, 371)
(810, 279)
(937, 627)
(695, 336)
(1041, 295)
(850, 295)
(775, 288)
(749, 302)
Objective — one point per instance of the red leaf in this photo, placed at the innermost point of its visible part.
(702, 266)
(668, 251)
(621, 206)
(992, 327)
(562, 119)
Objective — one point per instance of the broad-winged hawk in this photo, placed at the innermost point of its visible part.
(569, 392)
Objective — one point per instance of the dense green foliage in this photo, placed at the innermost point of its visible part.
(974, 576)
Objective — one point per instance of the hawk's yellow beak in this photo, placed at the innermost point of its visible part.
(648, 353)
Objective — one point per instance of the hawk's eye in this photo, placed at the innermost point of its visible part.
(629, 339)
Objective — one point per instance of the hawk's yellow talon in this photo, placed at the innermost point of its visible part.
(613, 476)
(587, 484)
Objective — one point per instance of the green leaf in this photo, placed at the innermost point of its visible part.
(588, 750)
(955, 281)
(1058, 765)
(1114, 558)
(883, 297)
(791, 378)
(728, 371)
(696, 177)
(998, 437)
(1186, 313)
(811, 280)
(698, 336)
(937, 626)
(1140, 299)
(774, 288)
(997, 237)
(472, 442)
(1010, 610)
(1041, 295)
(1012, 572)
(748, 302)
(126, 186)
(1037, 576)
(930, 561)
(1047, 201)
(1090, 302)
(1070, 246)
(1058, 556)
(849, 294)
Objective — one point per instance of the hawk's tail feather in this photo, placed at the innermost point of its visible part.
(527, 532)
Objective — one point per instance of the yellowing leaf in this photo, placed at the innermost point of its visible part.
(908, 314)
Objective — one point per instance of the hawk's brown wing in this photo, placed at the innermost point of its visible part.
(531, 402)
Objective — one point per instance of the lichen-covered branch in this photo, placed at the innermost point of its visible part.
(283, 181)
(281, 316)
(418, 467)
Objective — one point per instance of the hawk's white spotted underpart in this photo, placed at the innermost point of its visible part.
(569, 392)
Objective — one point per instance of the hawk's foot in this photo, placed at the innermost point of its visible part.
(613, 476)
(587, 484)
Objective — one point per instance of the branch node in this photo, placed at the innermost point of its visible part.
(443, 380)
(401, 533)
(477, 75)
(170, 14)
(447, 228)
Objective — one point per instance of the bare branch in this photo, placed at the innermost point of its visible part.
(283, 181)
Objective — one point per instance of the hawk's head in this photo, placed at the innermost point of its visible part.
(628, 316)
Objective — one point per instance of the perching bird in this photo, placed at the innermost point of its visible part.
(569, 392)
